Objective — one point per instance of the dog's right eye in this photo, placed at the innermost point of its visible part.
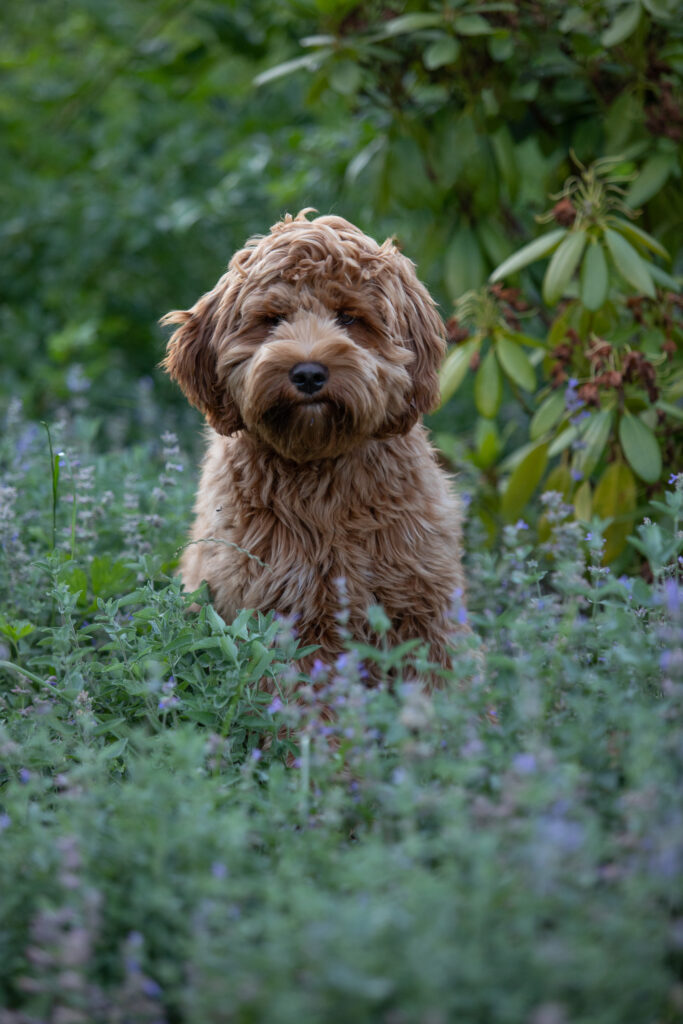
(272, 321)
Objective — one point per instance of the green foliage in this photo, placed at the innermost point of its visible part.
(476, 109)
(176, 840)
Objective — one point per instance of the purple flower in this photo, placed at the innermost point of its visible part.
(256, 754)
(672, 594)
(274, 706)
(525, 763)
(24, 775)
(151, 988)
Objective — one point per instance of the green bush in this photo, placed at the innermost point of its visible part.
(470, 113)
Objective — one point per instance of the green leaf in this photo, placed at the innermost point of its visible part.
(345, 77)
(472, 25)
(309, 62)
(523, 481)
(487, 442)
(515, 362)
(671, 410)
(629, 264)
(563, 440)
(441, 52)
(455, 367)
(594, 437)
(548, 415)
(583, 502)
(614, 498)
(663, 279)
(640, 448)
(637, 235)
(594, 277)
(651, 179)
(464, 268)
(558, 479)
(488, 386)
(411, 23)
(528, 254)
(503, 148)
(562, 266)
(623, 25)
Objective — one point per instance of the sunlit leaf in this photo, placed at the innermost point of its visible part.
(309, 62)
(528, 254)
(563, 440)
(629, 264)
(594, 436)
(411, 23)
(548, 415)
(455, 366)
(562, 266)
(640, 447)
(515, 362)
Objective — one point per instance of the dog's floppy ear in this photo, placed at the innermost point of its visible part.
(191, 361)
(427, 338)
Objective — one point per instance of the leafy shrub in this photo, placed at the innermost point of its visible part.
(470, 113)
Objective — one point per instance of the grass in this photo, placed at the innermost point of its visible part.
(177, 845)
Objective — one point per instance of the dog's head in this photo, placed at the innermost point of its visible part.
(314, 340)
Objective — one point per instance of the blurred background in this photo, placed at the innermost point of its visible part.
(143, 143)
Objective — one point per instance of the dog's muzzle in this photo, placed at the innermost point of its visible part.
(308, 378)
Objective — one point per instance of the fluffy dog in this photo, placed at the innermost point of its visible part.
(312, 360)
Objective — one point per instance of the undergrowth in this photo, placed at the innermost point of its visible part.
(180, 844)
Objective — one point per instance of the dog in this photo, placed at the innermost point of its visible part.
(313, 359)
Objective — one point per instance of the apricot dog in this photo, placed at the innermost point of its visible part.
(312, 360)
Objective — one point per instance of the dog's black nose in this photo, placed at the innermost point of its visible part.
(308, 377)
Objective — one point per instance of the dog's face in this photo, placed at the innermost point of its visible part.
(315, 340)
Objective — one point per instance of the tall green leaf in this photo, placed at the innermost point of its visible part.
(548, 415)
(515, 362)
(488, 386)
(629, 264)
(523, 481)
(594, 437)
(594, 278)
(615, 498)
(455, 366)
(640, 447)
(562, 266)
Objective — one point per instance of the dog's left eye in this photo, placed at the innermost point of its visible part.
(272, 321)
(345, 319)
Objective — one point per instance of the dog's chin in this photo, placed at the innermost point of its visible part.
(310, 429)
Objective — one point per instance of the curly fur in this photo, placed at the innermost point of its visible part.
(299, 491)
